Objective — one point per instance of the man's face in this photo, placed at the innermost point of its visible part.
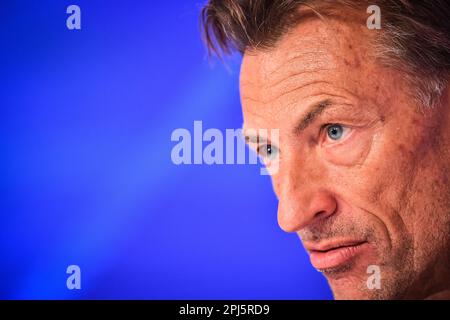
(363, 173)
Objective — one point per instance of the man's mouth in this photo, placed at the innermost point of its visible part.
(334, 254)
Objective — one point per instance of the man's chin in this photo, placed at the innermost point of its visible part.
(356, 280)
(348, 283)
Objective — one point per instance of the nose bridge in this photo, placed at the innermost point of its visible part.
(302, 192)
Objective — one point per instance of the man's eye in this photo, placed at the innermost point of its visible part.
(268, 152)
(336, 131)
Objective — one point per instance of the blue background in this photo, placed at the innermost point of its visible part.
(86, 173)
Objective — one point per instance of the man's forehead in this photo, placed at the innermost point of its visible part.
(308, 61)
(269, 78)
(306, 46)
(313, 44)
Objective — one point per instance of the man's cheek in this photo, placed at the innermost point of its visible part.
(376, 190)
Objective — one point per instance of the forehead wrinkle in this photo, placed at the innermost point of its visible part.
(335, 99)
(261, 71)
(243, 98)
(342, 93)
(301, 63)
(269, 92)
(294, 89)
(283, 80)
(297, 56)
(293, 78)
(272, 91)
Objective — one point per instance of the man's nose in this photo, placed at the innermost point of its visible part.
(303, 199)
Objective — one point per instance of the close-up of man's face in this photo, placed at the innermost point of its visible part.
(363, 173)
(235, 158)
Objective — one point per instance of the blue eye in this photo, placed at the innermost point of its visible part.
(268, 152)
(335, 131)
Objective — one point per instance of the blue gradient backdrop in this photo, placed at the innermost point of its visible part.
(86, 174)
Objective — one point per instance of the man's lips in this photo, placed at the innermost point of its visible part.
(334, 254)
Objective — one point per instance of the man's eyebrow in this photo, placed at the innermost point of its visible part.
(315, 111)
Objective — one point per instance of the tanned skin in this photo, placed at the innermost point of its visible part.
(361, 163)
